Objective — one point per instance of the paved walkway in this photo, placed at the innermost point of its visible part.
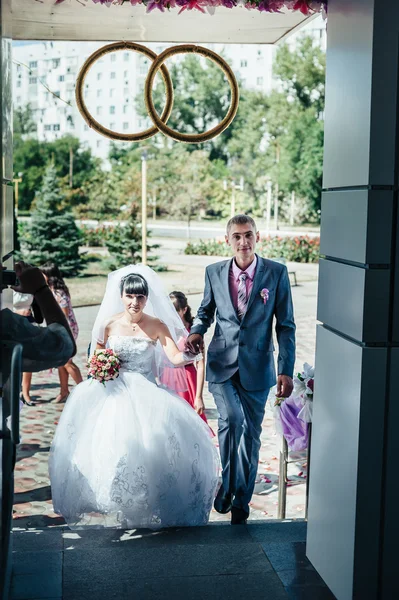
(33, 507)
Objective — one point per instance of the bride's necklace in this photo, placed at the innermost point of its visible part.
(134, 326)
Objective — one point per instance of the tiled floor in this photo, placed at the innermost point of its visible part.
(32, 501)
(260, 560)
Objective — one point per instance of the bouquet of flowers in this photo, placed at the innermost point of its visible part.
(104, 365)
(304, 382)
(303, 388)
(303, 385)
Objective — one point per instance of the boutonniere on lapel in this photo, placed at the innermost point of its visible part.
(264, 294)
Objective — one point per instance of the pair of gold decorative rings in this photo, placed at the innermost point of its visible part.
(158, 121)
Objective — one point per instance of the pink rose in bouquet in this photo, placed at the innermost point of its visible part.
(104, 365)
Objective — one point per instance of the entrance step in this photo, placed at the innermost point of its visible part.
(260, 560)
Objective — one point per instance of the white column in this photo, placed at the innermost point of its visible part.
(353, 524)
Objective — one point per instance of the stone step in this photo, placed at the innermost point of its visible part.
(261, 559)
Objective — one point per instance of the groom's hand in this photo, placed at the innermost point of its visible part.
(195, 343)
(285, 385)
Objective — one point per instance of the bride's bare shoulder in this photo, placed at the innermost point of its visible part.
(152, 321)
(112, 320)
(155, 324)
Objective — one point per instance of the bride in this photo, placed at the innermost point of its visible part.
(131, 453)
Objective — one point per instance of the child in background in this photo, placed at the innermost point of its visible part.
(22, 305)
(195, 371)
(61, 293)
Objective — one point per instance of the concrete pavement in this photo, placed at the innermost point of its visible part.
(33, 507)
(166, 228)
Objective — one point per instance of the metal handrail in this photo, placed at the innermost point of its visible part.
(283, 476)
(15, 388)
(16, 375)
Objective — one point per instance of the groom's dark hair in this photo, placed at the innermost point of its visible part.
(240, 220)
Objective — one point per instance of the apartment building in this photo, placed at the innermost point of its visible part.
(44, 75)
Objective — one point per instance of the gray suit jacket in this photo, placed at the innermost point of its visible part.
(247, 345)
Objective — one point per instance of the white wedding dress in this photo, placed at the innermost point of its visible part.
(132, 454)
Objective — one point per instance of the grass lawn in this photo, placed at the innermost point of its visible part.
(89, 287)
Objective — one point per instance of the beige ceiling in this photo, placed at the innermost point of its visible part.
(43, 20)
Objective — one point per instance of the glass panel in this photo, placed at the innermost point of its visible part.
(6, 109)
(7, 221)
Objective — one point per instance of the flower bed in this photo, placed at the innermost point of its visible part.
(302, 248)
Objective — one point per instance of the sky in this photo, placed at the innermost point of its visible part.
(15, 43)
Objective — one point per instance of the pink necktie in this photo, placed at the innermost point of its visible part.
(242, 295)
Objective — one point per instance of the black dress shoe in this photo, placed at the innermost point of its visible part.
(27, 401)
(223, 501)
(239, 516)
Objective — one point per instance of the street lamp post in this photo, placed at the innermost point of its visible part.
(17, 181)
(276, 193)
(292, 212)
(277, 186)
(234, 187)
(233, 199)
(144, 206)
(268, 206)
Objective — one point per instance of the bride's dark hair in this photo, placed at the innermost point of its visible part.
(134, 284)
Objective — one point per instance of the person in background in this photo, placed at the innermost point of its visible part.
(60, 290)
(43, 347)
(22, 305)
(195, 371)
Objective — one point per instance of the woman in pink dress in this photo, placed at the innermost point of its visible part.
(60, 290)
(195, 372)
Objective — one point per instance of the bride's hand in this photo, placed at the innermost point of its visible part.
(199, 405)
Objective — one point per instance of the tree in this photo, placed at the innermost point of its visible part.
(103, 196)
(295, 125)
(84, 163)
(23, 122)
(277, 136)
(31, 157)
(197, 185)
(183, 183)
(247, 149)
(124, 243)
(201, 99)
(52, 234)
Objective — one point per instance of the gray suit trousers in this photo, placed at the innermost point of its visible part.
(241, 414)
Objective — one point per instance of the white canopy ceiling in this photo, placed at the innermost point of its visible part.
(85, 20)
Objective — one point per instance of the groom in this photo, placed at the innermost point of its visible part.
(246, 292)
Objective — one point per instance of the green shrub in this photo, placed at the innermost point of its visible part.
(96, 236)
(52, 234)
(124, 244)
(302, 248)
